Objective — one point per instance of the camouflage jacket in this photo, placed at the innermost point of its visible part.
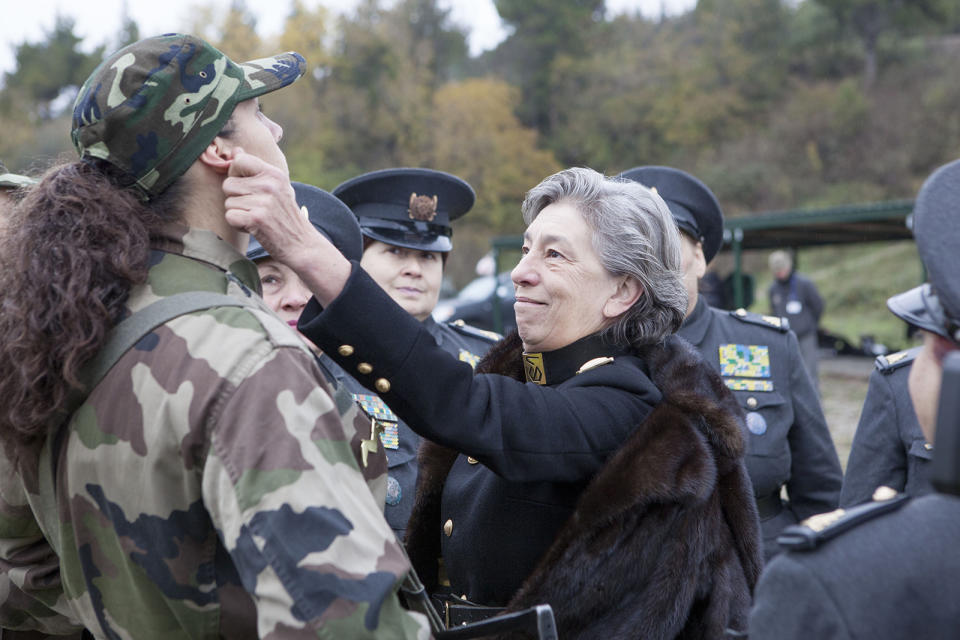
(206, 488)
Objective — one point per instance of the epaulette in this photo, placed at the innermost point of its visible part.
(815, 530)
(893, 361)
(464, 328)
(771, 322)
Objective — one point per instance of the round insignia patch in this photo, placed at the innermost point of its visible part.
(394, 492)
(756, 423)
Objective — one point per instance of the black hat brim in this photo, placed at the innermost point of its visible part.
(921, 307)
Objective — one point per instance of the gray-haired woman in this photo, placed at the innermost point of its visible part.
(597, 463)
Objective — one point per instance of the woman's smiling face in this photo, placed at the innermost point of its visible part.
(562, 289)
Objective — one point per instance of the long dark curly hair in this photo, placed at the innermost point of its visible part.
(70, 252)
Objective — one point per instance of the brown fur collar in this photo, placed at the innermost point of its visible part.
(665, 539)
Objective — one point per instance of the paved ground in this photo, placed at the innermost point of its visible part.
(843, 386)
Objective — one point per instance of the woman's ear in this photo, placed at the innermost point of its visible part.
(218, 155)
(699, 261)
(627, 293)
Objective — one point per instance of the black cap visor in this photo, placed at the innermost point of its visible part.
(921, 307)
(424, 236)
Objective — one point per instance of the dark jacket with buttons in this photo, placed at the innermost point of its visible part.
(401, 443)
(888, 449)
(788, 443)
(890, 576)
(538, 448)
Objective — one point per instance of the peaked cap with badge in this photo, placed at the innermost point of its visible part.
(694, 207)
(408, 207)
(329, 215)
(151, 108)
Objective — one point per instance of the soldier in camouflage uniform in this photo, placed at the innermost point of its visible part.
(206, 486)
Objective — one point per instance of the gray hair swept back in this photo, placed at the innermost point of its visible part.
(635, 235)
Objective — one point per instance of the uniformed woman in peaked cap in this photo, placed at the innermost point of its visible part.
(405, 216)
(789, 445)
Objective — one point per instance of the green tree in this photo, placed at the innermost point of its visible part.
(46, 69)
(377, 92)
(868, 20)
(476, 135)
(543, 30)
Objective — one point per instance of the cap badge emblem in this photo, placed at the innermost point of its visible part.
(422, 207)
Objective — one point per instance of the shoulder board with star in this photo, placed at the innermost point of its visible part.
(893, 361)
(462, 327)
(770, 322)
(815, 530)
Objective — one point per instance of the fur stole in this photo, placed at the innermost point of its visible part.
(664, 541)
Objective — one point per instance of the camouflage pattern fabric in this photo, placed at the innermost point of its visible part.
(153, 106)
(207, 487)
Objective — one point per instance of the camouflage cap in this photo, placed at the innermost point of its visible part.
(151, 108)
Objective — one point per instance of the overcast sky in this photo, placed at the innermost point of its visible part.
(98, 21)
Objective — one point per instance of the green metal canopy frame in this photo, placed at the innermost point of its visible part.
(851, 224)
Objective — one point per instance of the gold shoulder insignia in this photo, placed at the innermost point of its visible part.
(816, 530)
(893, 361)
(821, 521)
(884, 492)
(894, 358)
(593, 364)
(463, 327)
(771, 322)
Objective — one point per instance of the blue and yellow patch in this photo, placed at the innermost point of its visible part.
(745, 360)
(746, 367)
(741, 384)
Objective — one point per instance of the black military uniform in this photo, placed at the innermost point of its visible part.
(413, 208)
(889, 449)
(789, 444)
(888, 569)
(523, 482)
(401, 443)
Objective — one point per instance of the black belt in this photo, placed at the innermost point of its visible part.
(769, 506)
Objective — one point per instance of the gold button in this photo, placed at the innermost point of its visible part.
(345, 350)
(752, 402)
(382, 385)
(463, 597)
(472, 460)
(448, 528)
(928, 446)
(364, 368)
(741, 312)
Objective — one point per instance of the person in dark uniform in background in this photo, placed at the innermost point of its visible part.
(889, 448)
(404, 215)
(795, 297)
(888, 569)
(789, 444)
